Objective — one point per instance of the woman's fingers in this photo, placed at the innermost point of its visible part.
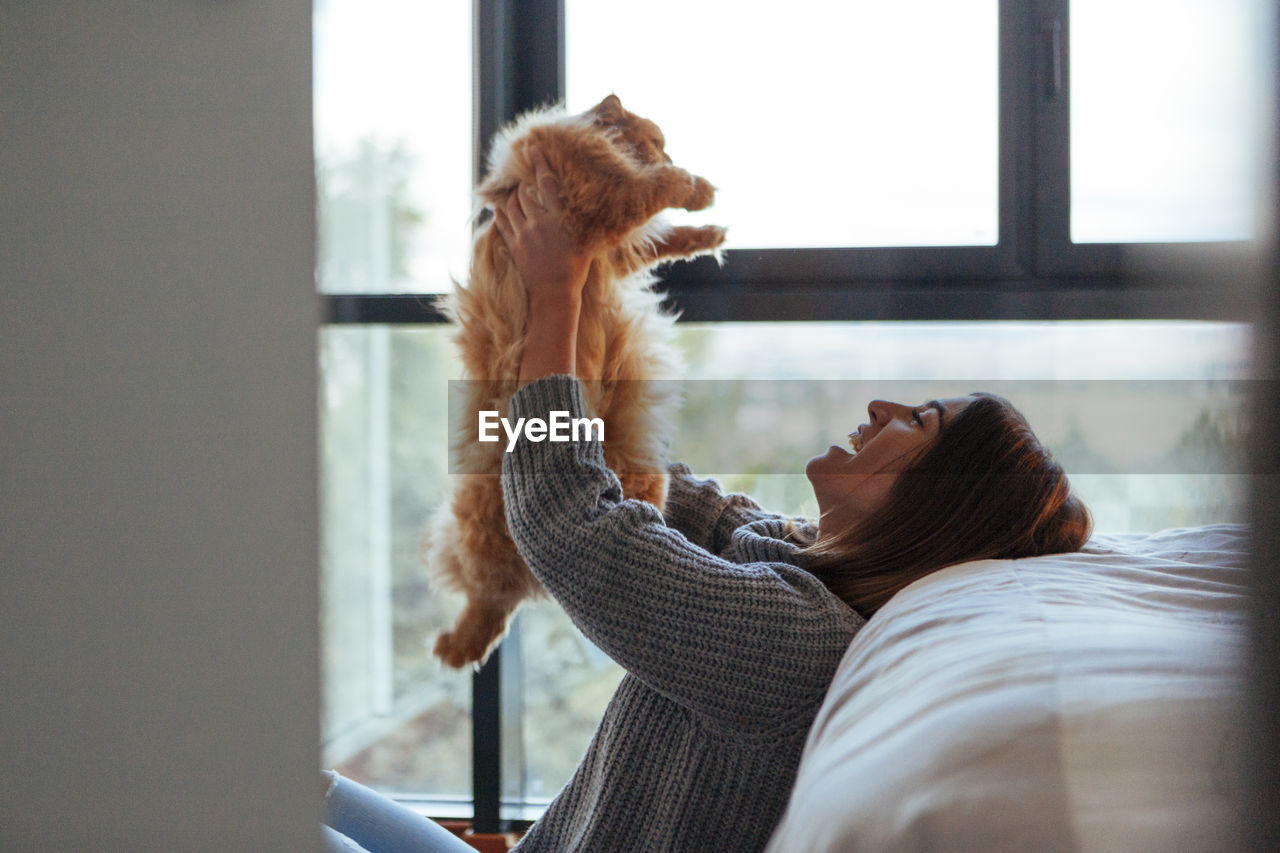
(547, 185)
(515, 211)
(530, 201)
(532, 207)
(503, 224)
(515, 218)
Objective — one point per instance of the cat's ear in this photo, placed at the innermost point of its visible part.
(608, 111)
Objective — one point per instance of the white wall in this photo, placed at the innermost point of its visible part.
(157, 334)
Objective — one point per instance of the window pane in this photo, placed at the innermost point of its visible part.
(1146, 416)
(566, 682)
(393, 144)
(393, 718)
(1167, 130)
(851, 123)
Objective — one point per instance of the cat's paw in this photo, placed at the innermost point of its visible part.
(458, 652)
(714, 236)
(700, 195)
(704, 239)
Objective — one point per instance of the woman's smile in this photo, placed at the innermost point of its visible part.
(853, 478)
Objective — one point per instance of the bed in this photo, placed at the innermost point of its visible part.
(1079, 702)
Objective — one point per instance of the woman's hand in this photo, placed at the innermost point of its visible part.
(552, 269)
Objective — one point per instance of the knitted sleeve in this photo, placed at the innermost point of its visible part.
(747, 644)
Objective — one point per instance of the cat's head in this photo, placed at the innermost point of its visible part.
(642, 138)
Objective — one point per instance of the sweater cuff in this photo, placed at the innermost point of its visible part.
(531, 458)
(550, 393)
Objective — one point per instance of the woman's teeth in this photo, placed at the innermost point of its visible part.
(855, 441)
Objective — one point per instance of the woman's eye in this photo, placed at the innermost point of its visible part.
(915, 416)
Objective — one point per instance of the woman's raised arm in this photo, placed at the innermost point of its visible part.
(552, 268)
(714, 635)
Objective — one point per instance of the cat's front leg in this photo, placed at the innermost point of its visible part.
(685, 190)
(605, 210)
(685, 241)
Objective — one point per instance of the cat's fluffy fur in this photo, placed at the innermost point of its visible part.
(614, 178)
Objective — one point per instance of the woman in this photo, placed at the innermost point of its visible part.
(730, 621)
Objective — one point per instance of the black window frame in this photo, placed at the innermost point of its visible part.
(1034, 272)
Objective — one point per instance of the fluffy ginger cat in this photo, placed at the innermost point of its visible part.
(614, 178)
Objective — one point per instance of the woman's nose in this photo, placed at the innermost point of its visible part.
(884, 410)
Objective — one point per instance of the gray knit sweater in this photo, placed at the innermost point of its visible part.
(729, 647)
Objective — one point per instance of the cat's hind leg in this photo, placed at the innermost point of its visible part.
(479, 627)
(485, 566)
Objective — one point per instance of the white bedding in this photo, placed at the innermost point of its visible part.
(1075, 702)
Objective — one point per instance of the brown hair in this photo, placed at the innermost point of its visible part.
(986, 489)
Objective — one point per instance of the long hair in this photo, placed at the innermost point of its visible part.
(986, 489)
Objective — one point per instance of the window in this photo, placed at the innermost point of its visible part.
(393, 144)
(1018, 277)
(813, 148)
(1164, 151)
(393, 169)
(391, 715)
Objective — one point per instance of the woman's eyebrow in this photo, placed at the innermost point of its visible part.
(934, 404)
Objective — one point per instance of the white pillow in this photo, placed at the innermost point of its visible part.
(1075, 702)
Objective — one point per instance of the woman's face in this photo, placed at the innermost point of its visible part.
(848, 485)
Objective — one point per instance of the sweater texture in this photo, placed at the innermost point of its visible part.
(728, 645)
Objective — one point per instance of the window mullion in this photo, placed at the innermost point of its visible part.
(1050, 94)
(1016, 142)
